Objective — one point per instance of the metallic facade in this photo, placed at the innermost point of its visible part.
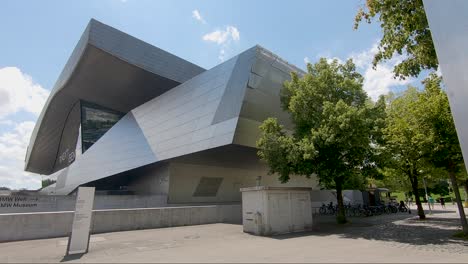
(448, 22)
(195, 120)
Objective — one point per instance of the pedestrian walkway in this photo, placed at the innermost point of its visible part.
(386, 238)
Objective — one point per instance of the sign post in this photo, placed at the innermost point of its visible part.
(78, 242)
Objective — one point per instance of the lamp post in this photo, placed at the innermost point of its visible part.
(427, 196)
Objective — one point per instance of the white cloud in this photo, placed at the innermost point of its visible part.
(364, 58)
(377, 81)
(222, 52)
(6, 122)
(224, 38)
(306, 60)
(19, 93)
(330, 60)
(13, 145)
(231, 33)
(380, 80)
(196, 14)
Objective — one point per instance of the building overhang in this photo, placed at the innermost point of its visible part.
(108, 68)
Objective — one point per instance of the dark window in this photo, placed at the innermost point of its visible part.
(95, 121)
(208, 187)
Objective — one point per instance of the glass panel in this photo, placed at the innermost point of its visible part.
(95, 121)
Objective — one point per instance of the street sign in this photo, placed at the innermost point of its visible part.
(78, 242)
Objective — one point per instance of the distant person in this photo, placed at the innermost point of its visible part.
(442, 202)
(431, 202)
(410, 201)
(402, 207)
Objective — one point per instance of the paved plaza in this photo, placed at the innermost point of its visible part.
(387, 238)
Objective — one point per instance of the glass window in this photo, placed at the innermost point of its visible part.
(95, 121)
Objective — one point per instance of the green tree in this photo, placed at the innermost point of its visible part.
(407, 140)
(445, 149)
(395, 180)
(47, 182)
(405, 31)
(336, 129)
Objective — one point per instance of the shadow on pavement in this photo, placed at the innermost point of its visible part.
(431, 232)
(71, 257)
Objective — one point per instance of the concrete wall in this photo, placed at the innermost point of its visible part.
(58, 224)
(152, 179)
(184, 179)
(319, 197)
(276, 210)
(54, 203)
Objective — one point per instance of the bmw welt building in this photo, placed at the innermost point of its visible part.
(127, 117)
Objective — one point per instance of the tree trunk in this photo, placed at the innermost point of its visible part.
(461, 211)
(341, 215)
(414, 185)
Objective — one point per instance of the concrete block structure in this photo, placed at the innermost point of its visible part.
(276, 210)
(127, 116)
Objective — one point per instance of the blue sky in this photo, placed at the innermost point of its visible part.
(37, 37)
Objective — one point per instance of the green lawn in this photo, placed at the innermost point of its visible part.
(401, 195)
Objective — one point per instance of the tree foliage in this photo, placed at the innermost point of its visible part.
(47, 182)
(405, 31)
(445, 151)
(421, 136)
(407, 139)
(336, 128)
(435, 110)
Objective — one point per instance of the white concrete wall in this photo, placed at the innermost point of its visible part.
(54, 203)
(58, 224)
(269, 211)
(319, 197)
(353, 196)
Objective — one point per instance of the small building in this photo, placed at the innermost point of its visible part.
(276, 210)
(376, 196)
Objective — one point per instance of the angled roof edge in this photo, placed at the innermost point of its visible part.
(281, 63)
(136, 52)
(115, 43)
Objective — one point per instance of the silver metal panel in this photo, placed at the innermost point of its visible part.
(234, 94)
(109, 68)
(122, 148)
(180, 121)
(61, 177)
(140, 53)
(213, 109)
(34, 164)
(177, 123)
(448, 22)
(261, 100)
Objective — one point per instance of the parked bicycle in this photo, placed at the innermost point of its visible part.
(327, 209)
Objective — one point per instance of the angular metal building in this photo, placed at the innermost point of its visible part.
(125, 115)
